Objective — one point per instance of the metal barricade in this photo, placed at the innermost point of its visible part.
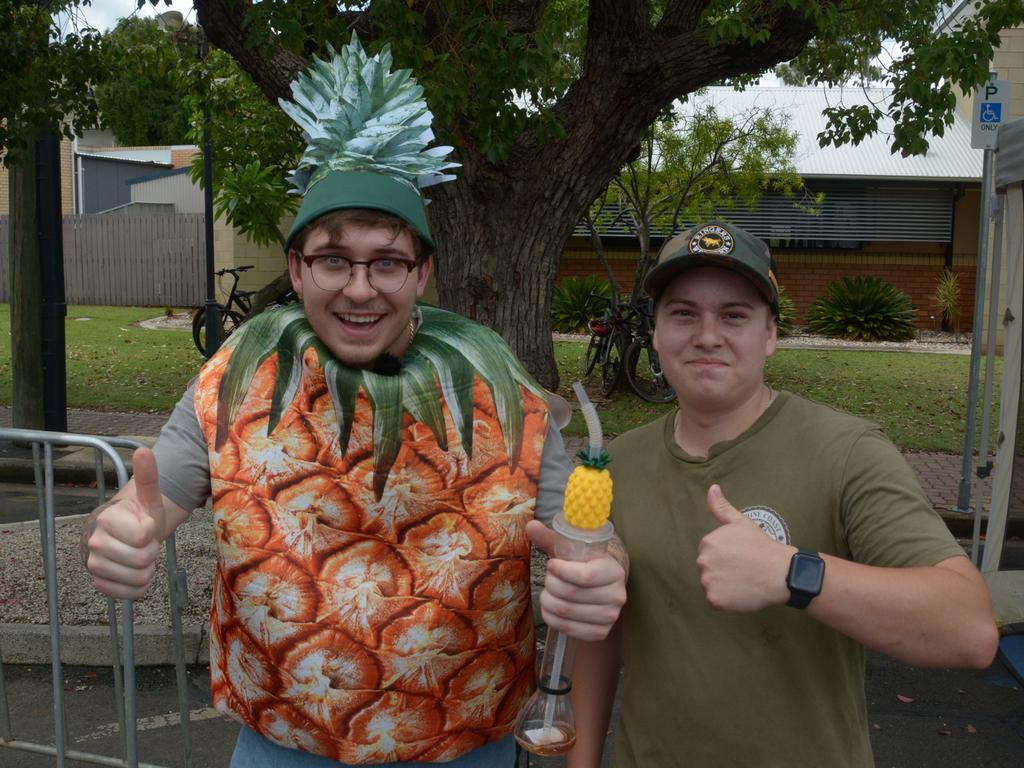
(43, 444)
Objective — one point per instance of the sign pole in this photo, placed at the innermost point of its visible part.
(989, 106)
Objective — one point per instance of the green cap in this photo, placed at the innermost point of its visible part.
(362, 189)
(716, 244)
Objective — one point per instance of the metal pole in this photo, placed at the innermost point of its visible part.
(212, 310)
(963, 502)
(51, 270)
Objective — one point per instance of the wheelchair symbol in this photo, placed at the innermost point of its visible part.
(990, 112)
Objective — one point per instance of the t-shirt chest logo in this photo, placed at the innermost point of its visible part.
(770, 522)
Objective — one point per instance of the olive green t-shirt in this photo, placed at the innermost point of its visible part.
(775, 687)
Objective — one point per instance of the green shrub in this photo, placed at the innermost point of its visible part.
(577, 300)
(863, 309)
(787, 311)
(947, 296)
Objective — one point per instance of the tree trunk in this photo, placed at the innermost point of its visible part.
(498, 268)
(26, 300)
(275, 292)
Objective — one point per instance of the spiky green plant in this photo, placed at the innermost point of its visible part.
(863, 308)
(947, 296)
(787, 311)
(576, 300)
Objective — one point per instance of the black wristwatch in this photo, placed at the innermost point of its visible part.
(806, 574)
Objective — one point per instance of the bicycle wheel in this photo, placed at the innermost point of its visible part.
(643, 372)
(229, 321)
(611, 364)
(592, 355)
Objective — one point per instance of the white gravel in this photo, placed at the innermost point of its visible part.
(23, 581)
(926, 341)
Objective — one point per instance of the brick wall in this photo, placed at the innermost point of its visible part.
(806, 276)
(66, 183)
(1008, 61)
(915, 268)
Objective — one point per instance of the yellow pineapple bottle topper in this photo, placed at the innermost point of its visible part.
(588, 494)
(546, 725)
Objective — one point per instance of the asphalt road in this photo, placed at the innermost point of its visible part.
(18, 502)
(919, 718)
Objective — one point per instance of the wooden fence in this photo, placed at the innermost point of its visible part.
(127, 260)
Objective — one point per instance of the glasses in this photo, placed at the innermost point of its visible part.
(333, 273)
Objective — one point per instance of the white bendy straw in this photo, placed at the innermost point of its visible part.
(590, 417)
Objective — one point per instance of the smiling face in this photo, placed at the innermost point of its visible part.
(357, 323)
(713, 332)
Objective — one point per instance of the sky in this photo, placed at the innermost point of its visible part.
(103, 14)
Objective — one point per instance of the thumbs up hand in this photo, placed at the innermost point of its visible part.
(741, 568)
(121, 539)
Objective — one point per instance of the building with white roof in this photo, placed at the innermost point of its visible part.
(903, 219)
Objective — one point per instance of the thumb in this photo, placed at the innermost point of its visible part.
(147, 483)
(719, 506)
(541, 536)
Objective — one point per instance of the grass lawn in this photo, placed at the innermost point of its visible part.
(113, 363)
(919, 399)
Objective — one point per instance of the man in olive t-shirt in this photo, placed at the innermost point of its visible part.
(771, 540)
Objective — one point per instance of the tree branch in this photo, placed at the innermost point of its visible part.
(681, 15)
(270, 66)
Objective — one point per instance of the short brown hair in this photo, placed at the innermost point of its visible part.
(334, 223)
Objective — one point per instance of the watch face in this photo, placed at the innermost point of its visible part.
(806, 573)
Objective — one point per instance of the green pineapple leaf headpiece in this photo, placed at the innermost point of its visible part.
(367, 130)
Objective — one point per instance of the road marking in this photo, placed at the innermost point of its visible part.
(152, 723)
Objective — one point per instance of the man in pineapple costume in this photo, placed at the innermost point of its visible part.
(771, 540)
(373, 467)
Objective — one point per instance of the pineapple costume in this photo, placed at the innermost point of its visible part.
(372, 594)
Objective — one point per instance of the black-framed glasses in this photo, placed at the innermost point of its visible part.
(331, 272)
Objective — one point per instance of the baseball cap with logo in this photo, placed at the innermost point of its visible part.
(716, 244)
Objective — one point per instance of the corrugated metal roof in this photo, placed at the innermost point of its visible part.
(949, 158)
(125, 158)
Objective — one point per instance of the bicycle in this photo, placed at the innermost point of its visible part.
(610, 336)
(621, 341)
(232, 314)
(642, 367)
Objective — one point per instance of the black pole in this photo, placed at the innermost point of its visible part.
(51, 267)
(212, 310)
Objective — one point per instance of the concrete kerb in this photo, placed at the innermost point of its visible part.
(70, 465)
(90, 645)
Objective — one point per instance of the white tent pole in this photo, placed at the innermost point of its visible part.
(1010, 394)
(984, 465)
(963, 502)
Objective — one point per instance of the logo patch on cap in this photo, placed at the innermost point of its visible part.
(712, 239)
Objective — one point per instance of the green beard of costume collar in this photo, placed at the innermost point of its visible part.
(447, 352)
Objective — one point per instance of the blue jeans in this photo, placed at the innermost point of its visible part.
(254, 751)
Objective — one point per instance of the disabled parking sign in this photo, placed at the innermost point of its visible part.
(989, 109)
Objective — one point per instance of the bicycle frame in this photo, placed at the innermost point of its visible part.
(236, 298)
